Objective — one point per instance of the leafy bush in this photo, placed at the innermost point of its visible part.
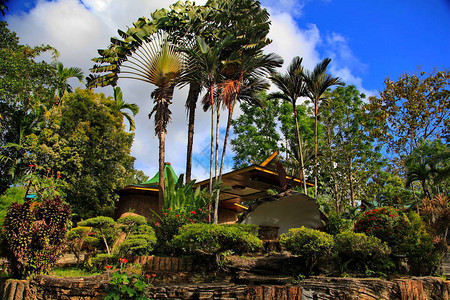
(313, 245)
(386, 223)
(11, 195)
(101, 260)
(213, 239)
(33, 235)
(104, 227)
(141, 241)
(76, 238)
(337, 224)
(423, 255)
(357, 252)
(183, 197)
(171, 220)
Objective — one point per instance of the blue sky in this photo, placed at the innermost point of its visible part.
(367, 41)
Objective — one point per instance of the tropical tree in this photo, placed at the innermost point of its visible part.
(3, 6)
(292, 87)
(27, 90)
(317, 82)
(429, 164)
(63, 74)
(119, 105)
(166, 67)
(415, 108)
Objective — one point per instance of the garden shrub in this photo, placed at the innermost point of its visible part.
(171, 220)
(104, 227)
(386, 223)
(423, 256)
(76, 238)
(140, 241)
(313, 245)
(337, 224)
(33, 235)
(360, 253)
(213, 239)
(101, 260)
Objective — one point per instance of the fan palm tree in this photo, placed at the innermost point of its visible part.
(63, 75)
(317, 82)
(164, 68)
(119, 105)
(292, 86)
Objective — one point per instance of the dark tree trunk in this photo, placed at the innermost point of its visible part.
(194, 91)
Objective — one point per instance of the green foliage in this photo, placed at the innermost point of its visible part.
(213, 239)
(429, 164)
(95, 153)
(361, 254)
(105, 227)
(126, 285)
(11, 195)
(386, 223)
(312, 245)
(350, 156)
(183, 197)
(76, 238)
(101, 260)
(423, 255)
(170, 221)
(256, 132)
(33, 235)
(139, 240)
(337, 223)
(26, 95)
(408, 106)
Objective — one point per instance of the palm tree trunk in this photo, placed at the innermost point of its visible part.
(216, 168)
(227, 133)
(211, 154)
(300, 148)
(194, 91)
(316, 146)
(162, 149)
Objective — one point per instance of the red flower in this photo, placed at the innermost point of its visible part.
(108, 267)
(123, 260)
(178, 216)
(193, 212)
(165, 214)
(200, 209)
(48, 170)
(153, 275)
(375, 210)
(31, 166)
(157, 224)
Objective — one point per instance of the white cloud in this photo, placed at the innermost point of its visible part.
(77, 29)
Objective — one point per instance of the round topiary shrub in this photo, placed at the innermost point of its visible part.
(313, 245)
(361, 254)
(213, 239)
(386, 223)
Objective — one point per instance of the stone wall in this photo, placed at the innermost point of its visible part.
(92, 288)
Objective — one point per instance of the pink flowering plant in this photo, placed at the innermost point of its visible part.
(386, 223)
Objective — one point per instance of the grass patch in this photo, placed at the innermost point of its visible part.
(71, 272)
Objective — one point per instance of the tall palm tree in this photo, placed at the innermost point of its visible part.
(119, 105)
(63, 75)
(317, 82)
(163, 70)
(144, 54)
(292, 86)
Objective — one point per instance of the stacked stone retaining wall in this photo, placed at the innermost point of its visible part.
(323, 288)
